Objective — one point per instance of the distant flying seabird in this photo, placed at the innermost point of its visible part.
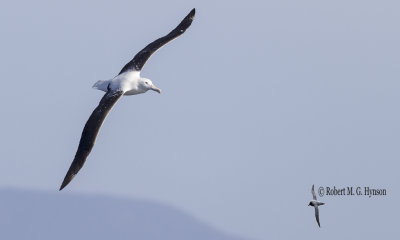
(315, 204)
(127, 82)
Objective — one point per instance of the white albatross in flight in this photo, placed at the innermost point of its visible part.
(127, 82)
(314, 203)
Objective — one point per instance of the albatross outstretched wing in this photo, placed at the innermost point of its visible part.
(90, 132)
(141, 57)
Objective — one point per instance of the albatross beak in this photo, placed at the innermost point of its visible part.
(154, 88)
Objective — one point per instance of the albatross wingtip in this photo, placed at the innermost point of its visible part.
(192, 13)
(64, 184)
(68, 178)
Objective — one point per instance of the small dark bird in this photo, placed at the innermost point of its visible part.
(315, 204)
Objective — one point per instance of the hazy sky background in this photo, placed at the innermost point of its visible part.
(261, 99)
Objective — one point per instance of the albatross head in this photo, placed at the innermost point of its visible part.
(146, 84)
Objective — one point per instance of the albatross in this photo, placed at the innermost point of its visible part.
(127, 82)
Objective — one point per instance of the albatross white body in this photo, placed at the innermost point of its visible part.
(129, 82)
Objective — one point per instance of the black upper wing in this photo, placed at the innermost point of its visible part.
(141, 57)
(90, 132)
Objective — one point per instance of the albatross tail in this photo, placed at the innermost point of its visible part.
(101, 85)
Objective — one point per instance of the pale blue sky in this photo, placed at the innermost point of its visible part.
(261, 99)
